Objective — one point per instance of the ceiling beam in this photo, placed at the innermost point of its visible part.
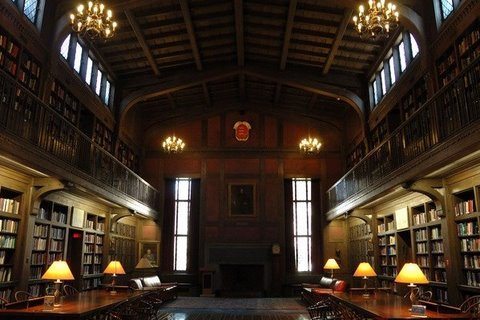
(292, 9)
(338, 39)
(240, 32)
(191, 33)
(141, 40)
(206, 94)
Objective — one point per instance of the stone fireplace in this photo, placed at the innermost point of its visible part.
(242, 270)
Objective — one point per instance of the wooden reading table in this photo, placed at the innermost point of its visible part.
(79, 306)
(382, 305)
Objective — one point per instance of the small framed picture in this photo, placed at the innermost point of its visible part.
(419, 310)
(48, 302)
(241, 199)
(149, 250)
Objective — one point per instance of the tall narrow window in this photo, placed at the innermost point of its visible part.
(403, 58)
(446, 7)
(384, 81)
(414, 46)
(183, 201)
(65, 47)
(391, 64)
(30, 9)
(98, 85)
(106, 98)
(302, 223)
(375, 92)
(78, 58)
(88, 74)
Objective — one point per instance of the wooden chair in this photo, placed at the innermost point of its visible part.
(23, 296)
(425, 295)
(68, 290)
(471, 305)
(3, 302)
(325, 309)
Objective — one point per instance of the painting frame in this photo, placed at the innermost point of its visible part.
(242, 199)
(154, 247)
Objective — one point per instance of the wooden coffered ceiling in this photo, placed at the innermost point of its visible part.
(162, 40)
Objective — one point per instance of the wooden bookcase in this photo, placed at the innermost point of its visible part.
(356, 155)
(102, 136)
(9, 53)
(10, 219)
(428, 244)
(64, 102)
(92, 251)
(414, 99)
(49, 242)
(29, 73)
(464, 50)
(127, 156)
(123, 245)
(383, 129)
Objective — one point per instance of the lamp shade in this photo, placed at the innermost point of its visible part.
(59, 270)
(144, 263)
(331, 264)
(364, 269)
(411, 273)
(114, 267)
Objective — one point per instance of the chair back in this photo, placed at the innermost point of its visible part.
(471, 305)
(68, 290)
(23, 295)
(3, 302)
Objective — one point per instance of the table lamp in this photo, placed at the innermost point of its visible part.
(58, 271)
(413, 275)
(114, 268)
(365, 270)
(331, 264)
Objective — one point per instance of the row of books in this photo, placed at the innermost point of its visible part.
(125, 230)
(34, 290)
(5, 274)
(421, 235)
(38, 258)
(9, 205)
(92, 269)
(436, 233)
(423, 261)
(439, 276)
(3, 256)
(36, 272)
(473, 278)
(8, 46)
(467, 228)
(56, 245)
(468, 41)
(91, 283)
(439, 261)
(391, 251)
(437, 247)
(471, 261)
(7, 242)
(470, 244)
(39, 244)
(464, 207)
(54, 256)
(40, 230)
(422, 247)
(389, 272)
(8, 225)
(58, 233)
(60, 217)
(391, 240)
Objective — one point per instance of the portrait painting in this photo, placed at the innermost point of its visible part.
(149, 251)
(241, 199)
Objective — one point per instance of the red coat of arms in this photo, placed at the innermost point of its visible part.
(242, 130)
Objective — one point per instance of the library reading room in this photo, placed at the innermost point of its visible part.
(239, 159)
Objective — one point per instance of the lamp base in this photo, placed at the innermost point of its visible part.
(56, 301)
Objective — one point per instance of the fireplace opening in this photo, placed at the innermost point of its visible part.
(242, 280)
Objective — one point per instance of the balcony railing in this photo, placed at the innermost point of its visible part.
(28, 118)
(454, 107)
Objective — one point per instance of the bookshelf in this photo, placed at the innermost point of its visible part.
(429, 248)
(10, 219)
(127, 156)
(356, 155)
(64, 102)
(29, 73)
(465, 49)
(414, 99)
(123, 245)
(361, 244)
(383, 129)
(92, 251)
(9, 53)
(49, 242)
(102, 136)
(387, 243)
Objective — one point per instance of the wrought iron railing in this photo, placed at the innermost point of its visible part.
(451, 109)
(28, 118)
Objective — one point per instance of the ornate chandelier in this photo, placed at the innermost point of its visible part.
(310, 145)
(377, 21)
(173, 145)
(93, 20)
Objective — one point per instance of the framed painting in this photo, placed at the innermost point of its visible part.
(241, 199)
(149, 250)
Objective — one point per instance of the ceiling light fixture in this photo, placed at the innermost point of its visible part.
(93, 20)
(173, 145)
(310, 145)
(376, 22)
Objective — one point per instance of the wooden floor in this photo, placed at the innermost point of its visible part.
(229, 315)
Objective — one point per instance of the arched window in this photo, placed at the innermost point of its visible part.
(83, 62)
(393, 66)
(444, 8)
(31, 9)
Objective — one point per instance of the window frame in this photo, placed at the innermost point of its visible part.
(176, 234)
(39, 11)
(295, 215)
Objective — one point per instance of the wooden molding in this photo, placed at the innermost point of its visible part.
(292, 9)
(191, 33)
(338, 39)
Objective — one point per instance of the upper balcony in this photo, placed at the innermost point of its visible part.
(36, 134)
(444, 129)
